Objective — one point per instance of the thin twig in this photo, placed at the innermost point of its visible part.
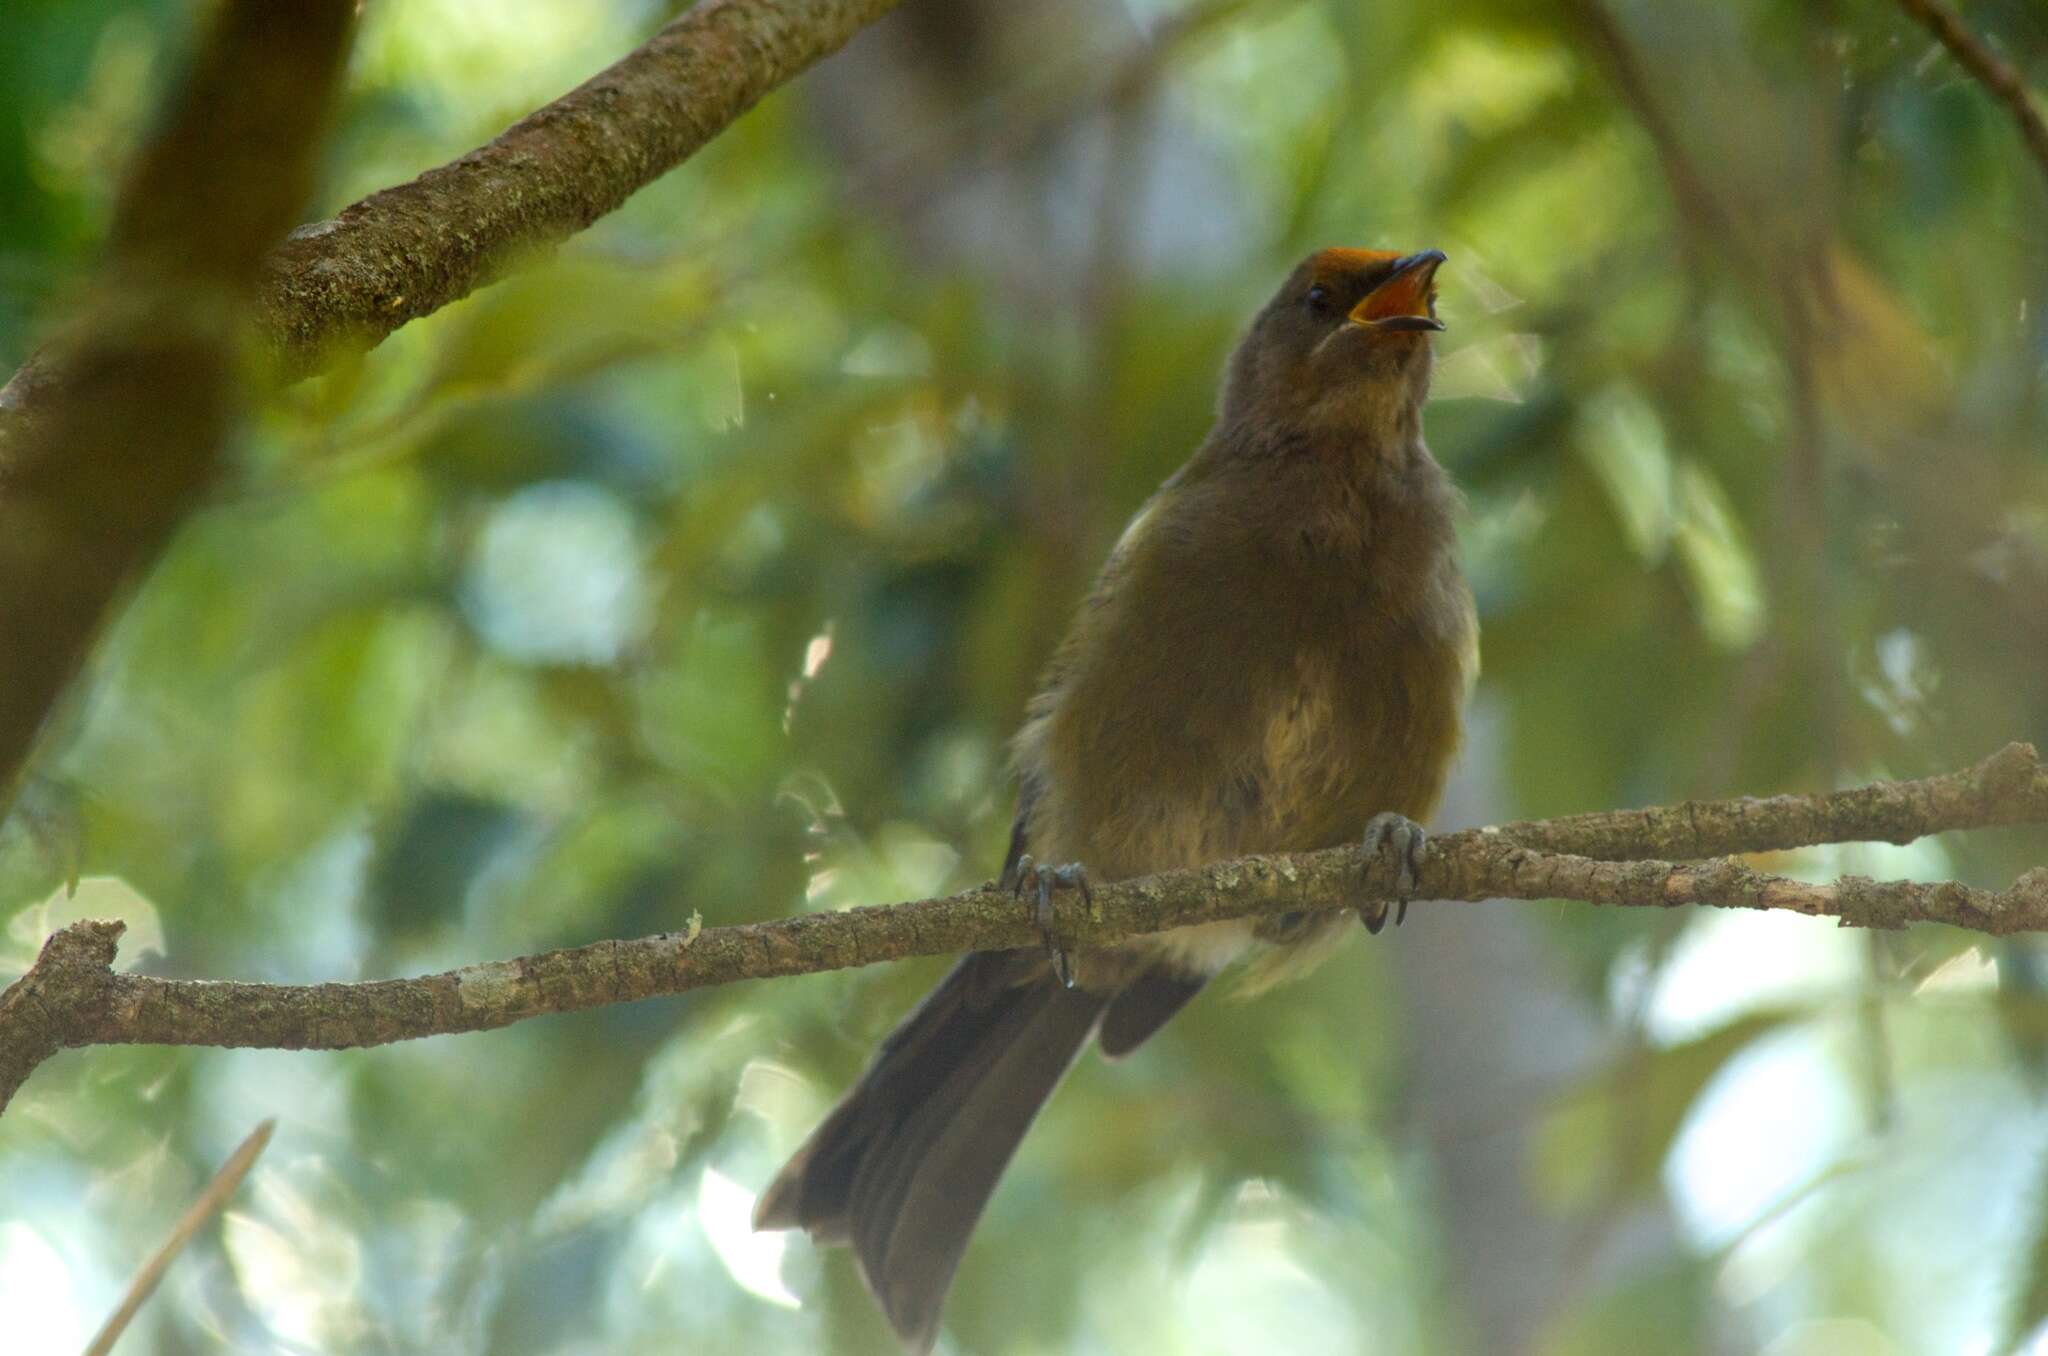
(72, 997)
(1992, 71)
(191, 1222)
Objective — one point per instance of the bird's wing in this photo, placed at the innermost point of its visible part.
(1029, 788)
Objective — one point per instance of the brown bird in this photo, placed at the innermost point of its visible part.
(1275, 656)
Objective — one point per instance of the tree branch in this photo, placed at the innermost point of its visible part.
(1992, 71)
(407, 251)
(2009, 787)
(1699, 210)
(72, 997)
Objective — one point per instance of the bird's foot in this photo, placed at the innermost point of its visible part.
(1045, 879)
(1407, 840)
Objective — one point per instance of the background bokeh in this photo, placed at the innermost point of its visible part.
(707, 564)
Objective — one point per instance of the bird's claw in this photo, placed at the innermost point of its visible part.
(1046, 879)
(1408, 841)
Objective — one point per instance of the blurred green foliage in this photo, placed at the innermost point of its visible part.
(706, 566)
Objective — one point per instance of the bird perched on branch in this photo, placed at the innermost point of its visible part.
(1275, 658)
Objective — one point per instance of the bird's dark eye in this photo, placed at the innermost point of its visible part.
(1319, 298)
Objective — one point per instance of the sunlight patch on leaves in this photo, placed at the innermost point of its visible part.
(725, 1211)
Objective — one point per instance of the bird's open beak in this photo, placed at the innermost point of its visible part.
(1402, 301)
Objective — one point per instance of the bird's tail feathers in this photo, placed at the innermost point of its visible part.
(906, 1162)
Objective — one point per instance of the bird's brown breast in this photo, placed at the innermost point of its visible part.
(1272, 656)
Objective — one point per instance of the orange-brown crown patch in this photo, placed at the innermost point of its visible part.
(1336, 266)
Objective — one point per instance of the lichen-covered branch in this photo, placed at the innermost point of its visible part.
(1996, 74)
(72, 997)
(136, 394)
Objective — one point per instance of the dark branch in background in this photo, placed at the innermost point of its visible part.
(1991, 70)
(1699, 210)
(72, 997)
(138, 392)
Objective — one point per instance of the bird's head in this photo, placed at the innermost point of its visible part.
(1343, 347)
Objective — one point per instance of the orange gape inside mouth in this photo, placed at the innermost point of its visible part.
(1402, 301)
